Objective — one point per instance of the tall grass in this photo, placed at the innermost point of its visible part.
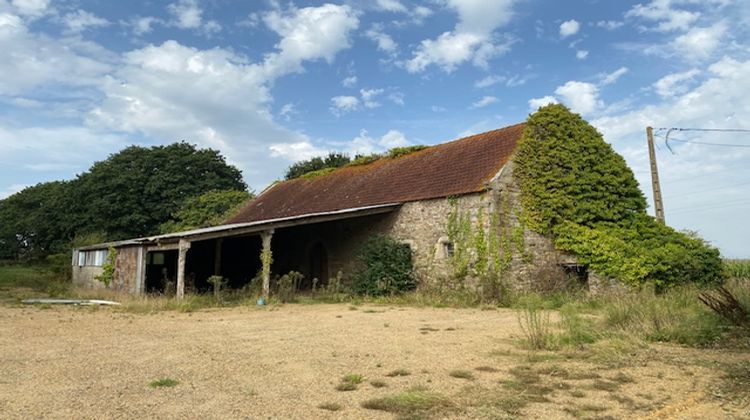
(737, 269)
(535, 323)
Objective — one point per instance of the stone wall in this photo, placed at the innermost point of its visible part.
(424, 226)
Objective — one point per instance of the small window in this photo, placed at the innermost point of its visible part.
(157, 258)
(81, 258)
(448, 249)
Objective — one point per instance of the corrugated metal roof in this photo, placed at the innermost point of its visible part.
(459, 167)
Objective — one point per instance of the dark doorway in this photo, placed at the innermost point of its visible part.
(161, 271)
(318, 264)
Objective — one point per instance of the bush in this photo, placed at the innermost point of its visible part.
(385, 267)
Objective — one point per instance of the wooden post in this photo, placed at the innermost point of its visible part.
(217, 256)
(266, 259)
(182, 255)
(658, 203)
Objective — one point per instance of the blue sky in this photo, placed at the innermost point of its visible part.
(268, 83)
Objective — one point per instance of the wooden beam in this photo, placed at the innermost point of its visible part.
(256, 229)
(266, 258)
(217, 256)
(182, 256)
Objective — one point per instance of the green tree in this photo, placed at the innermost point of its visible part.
(35, 221)
(134, 191)
(577, 189)
(207, 209)
(333, 160)
(129, 194)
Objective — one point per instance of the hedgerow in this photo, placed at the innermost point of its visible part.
(577, 189)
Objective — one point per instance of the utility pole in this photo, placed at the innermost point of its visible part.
(658, 203)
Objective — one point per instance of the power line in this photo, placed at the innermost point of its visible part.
(720, 130)
(708, 189)
(704, 209)
(708, 205)
(704, 143)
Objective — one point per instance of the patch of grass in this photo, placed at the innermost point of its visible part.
(378, 383)
(353, 378)
(604, 385)
(349, 382)
(330, 406)
(409, 402)
(584, 410)
(623, 378)
(346, 386)
(576, 393)
(462, 374)
(485, 369)
(398, 372)
(164, 383)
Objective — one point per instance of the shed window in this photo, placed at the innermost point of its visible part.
(93, 258)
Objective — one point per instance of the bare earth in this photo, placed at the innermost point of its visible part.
(284, 361)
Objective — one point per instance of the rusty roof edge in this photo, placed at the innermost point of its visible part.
(214, 229)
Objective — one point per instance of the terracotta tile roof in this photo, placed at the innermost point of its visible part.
(459, 167)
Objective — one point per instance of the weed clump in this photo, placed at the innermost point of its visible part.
(164, 383)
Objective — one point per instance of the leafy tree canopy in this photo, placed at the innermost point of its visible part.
(207, 209)
(575, 187)
(129, 194)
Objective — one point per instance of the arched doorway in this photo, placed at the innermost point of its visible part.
(318, 264)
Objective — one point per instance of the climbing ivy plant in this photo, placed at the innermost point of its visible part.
(577, 189)
(108, 268)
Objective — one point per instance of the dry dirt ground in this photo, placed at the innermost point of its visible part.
(285, 361)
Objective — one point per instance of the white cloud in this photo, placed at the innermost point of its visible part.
(674, 84)
(488, 81)
(81, 20)
(397, 98)
(287, 111)
(310, 33)
(610, 25)
(537, 103)
(422, 12)
(582, 54)
(31, 8)
(391, 6)
(609, 78)
(364, 144)
(187, 14)
(569, 28)
(341, 105)
(581, 97)
(29, 61)
(143, 25)
(349, 81)
(666, 18)
(486, 100)
(384, 41)
(294, 152)
(435, 108)
(368, 97)
(699, 43)
(473, 38)
(393, 138)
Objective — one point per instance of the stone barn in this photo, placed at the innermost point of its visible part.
(455, 204)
